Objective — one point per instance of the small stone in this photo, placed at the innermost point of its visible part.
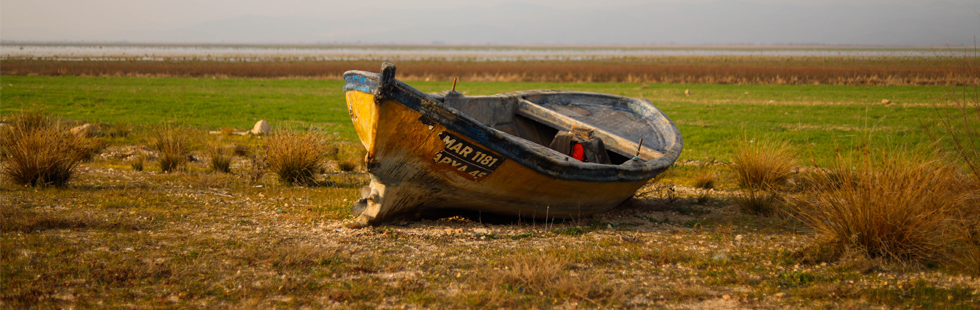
(261, 128)
(87, 130)
(481, 231)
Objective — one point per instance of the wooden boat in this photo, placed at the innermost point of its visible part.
(432, 153)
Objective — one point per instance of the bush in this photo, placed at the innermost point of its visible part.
(40, 152)
(901, 206)
(296, 158)
(764, 164)
(173, 146)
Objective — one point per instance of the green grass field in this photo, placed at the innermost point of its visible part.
(816, 118)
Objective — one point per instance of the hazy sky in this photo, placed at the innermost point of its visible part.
(858, 22)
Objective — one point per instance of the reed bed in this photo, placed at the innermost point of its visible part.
(710, 70)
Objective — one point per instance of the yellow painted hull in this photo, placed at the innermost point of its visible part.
(418, 166)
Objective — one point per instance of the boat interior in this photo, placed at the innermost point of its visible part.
(536, 119)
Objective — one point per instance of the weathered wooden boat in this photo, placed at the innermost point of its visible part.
(428, 153)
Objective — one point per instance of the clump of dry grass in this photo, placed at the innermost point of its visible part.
(759, 202)
(137, 162)
(40, 152)
(349, 156)
(119, 130)
(901, 206)
(763, 164)
(220, 158)
(295, 157)
(240, 150)
(547, 274)
(173, 144)
(705, 180)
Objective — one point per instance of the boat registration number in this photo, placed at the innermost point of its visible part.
(466, 158)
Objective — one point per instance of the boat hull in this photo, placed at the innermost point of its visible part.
(413, 171)
(419, 163)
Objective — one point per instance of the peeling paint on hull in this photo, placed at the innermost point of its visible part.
(423, 154)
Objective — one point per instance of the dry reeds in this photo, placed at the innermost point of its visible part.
(899, 206)
(295, 157)
(711, 70)
(173, 145)
(40, 152)
(763, 164)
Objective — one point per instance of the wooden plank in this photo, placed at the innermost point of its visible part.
(557, 120)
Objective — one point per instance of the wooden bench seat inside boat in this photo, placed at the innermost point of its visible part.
(539, 124)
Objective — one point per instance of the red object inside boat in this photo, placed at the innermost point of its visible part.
(578, 152)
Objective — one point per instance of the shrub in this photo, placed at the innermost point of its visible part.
(173, 146)
(38, 151)
(296, 158)
(763, 164)
(900, 206)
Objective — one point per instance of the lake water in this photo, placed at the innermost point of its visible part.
(490, 53)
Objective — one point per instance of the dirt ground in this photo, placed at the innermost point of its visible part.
(121, 238)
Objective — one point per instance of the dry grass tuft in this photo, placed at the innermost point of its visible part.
(706, 178)
(763, 164)
(295, 157)
(137, 162)
(546, 274)
(349, 156)
(241, 150)
(174, 147)
(119, 130)
(220, 158)
(758, 202)
(40, 152)
(900, 206)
